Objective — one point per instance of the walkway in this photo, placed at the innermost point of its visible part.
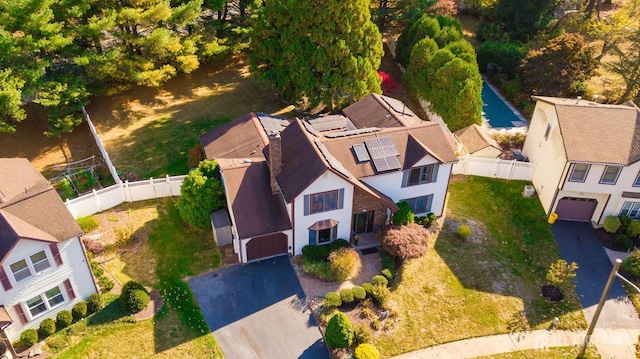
(611, 343)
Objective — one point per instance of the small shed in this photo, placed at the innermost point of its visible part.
(476, 142)
(221, 224)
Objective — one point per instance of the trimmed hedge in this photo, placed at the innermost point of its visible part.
(346, 295)
(339, 333)
(134, 297)
(611, 224)
(379, 280)
(63, 319)
(332, 300)
(358, 293)
(79, 310)
(320, 253)
(344, 263)
(631, 264)
(95, 303)
(29, 337)
(47, 327)
(368, 288)
(464, 232)
(366, 351)
(624, 242)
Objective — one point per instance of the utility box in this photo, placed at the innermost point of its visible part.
(528, 191)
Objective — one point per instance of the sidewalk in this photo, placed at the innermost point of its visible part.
(611, 343)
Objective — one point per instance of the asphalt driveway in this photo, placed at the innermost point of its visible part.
(578, 243)
(258, 311)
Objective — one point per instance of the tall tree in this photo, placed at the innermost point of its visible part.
(317, 52)
(523, 20)
(627, 66)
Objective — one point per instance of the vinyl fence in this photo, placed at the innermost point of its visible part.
(109, 197)
(494, 168)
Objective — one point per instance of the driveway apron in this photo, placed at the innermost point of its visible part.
(258, 310)
(579, 243)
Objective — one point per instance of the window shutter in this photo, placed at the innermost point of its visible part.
(341, 198)
(435, 172)
(405, 177)
(429, 201)
(306, 204)
(56, 254)
(312, 237)
(21, 315)
(6, 283)
(334, 233)
(71, 295)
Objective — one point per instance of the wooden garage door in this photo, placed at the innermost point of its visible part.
(576, 209)
(267, 246)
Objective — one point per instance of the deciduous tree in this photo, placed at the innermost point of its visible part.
(200, 194)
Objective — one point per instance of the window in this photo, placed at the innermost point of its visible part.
(421, 175)
(323, 232)
(631, 209)
(579, 172)
(322, 202)
(25, 268)
(547, 132)
(45, 301)
(420, 204)
(637, 182)
(610, 175)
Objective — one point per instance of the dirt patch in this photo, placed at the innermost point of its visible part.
(152, 308)
(479, 232)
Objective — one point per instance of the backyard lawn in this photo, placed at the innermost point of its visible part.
(164, 252)
(489, 286)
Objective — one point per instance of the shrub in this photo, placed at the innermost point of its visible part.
(387, 274)
(500, 57)
(464, 232)
(345, 263)
(346, 295)
(379, 280)
(633, 230)
(431, 217)
(611, 224)
(57, 342)
(366, 351)
(79, 310)
(29, 337)
(404, 214)
(631, 264)
(368, 288)
(96, 268)
(47, 327)
(332, 300)
(624, 242)
(95, 303)
(105, 284)
(92, 246)
(63, 319)
(625, 221)
(88, 223)
(560, 274)
(380, 295)
(387, 260)
(134, 297)
(358, 293)
(201, 193)
(339, 333)
(320, 253)
(405, 242)
(361, 334)
(124, 235)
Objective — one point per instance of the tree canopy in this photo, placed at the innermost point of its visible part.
(519, 20)
(201, 193)
(317, 52)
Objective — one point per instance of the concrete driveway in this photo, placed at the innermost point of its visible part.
(578, 243)
(258, 311)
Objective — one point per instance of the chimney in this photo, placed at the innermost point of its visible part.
(275, 159)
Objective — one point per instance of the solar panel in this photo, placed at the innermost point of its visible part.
(310, 129)
(335, 164)
(386, 164)
(397, 106)
(352, 132)
(384, 153)
(272, 124)
(328, 123)
(361, 152)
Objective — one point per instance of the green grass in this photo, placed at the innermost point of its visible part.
(549, 353)
(179, 329)
(461, 290)
(88, 223)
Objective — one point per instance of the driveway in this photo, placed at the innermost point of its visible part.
(258, 311)
(578, 243)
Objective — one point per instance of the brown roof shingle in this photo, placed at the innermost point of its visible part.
(243, 137)
(257, 210)
(598, 133)
(475, 138)
(374, 111)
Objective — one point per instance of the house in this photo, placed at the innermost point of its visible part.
(290, 183)
(44, 268)
(588, 158)
(474, 141)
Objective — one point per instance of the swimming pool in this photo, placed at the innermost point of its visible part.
(497, 112)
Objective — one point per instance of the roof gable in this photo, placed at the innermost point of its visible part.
(475, 138)
(380, 111)
(243, 137)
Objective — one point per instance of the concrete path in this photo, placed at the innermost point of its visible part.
(611, 343)
(578, 243)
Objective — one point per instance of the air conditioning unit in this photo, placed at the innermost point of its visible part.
(528, 191)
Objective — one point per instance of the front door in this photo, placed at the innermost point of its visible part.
(363, 222)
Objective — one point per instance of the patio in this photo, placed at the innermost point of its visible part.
(365, 241)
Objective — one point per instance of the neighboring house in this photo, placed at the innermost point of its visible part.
(293, 183)
(474, 141)
(44, 268)
(587, 156)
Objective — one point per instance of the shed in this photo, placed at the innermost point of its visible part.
(476, 142)
(221, 223)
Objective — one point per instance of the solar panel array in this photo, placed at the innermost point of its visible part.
(397, 106)
(361, 152)
(310, 128)
(272, 124)
(335, 164)
(384, 153)
(328, 123)
(352, 132)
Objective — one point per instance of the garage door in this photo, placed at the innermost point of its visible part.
(267, 246)
(576, 209)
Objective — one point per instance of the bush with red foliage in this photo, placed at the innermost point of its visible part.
(406, 241)
(389, 85)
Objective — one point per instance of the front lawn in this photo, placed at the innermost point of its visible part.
(549, 353)
(490, 286)
(167, 251)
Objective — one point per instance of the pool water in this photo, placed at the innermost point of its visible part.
(498, 113)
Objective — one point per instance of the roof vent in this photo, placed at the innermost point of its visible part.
(246, 160)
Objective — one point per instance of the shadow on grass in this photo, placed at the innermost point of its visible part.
(110, 313)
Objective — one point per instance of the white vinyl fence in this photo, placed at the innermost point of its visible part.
(112, 196)
(494, 168)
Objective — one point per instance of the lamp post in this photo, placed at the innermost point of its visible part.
(603, 299)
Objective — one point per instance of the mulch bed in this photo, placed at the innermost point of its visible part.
(608, 240)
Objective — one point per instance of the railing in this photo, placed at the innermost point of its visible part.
(494, 168)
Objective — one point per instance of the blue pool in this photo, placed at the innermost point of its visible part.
(497, 112)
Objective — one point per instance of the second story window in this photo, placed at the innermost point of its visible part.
(610, 174)
(579, 172)
(421, 175)
(323, 201)
(25, 268)
(20, 270)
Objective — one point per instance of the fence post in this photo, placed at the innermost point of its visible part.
(169, 184)
(153, 187)
(97, 200)
(512, 169)
(496, 168)
(127, 192)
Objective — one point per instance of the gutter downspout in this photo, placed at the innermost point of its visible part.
(559, 187)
